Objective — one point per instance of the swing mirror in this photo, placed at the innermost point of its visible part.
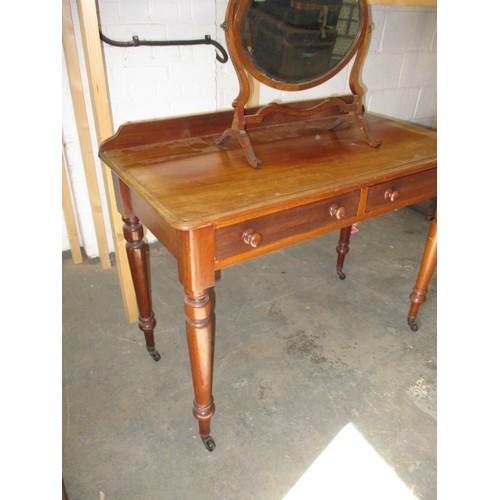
(290, 44)
(295, 45)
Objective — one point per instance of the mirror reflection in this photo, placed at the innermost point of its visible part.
(299, 41)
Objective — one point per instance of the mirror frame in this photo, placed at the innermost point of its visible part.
(242, 55)
(347, 106)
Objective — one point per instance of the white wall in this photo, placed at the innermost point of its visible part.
(151, 82)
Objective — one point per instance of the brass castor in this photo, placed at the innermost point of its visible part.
(154, 354)
(413, 324)
(208, 442)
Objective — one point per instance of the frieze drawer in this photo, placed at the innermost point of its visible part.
(402, 191)
(270, 229)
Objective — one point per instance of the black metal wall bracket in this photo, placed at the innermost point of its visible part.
(221, 53)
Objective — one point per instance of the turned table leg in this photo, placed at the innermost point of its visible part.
(342, 249)
(138, 260)
(196, 264)
(429, 260)
(199, 331)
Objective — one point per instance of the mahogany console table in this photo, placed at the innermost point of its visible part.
(211, 210)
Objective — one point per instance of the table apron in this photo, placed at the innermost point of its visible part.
(234, 243)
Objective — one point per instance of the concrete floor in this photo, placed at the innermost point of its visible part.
(299, 355)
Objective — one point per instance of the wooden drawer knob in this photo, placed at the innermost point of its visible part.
(252, 238)
(391, 195)
(336, 211)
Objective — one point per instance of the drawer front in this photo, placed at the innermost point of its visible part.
(402, 191)
(271, 229)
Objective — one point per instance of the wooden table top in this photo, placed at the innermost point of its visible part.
(176, 167)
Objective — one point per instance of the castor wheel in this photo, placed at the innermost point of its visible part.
(413, 324)
(208, 442)
(341, 274)
(154, 354)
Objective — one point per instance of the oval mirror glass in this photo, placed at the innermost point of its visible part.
(298, 42)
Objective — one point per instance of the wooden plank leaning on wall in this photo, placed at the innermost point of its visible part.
(96, 74)
(82, 125)
(69, 218)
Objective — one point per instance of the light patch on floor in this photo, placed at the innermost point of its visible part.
(349, 469)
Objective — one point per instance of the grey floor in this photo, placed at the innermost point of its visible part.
(299, 355)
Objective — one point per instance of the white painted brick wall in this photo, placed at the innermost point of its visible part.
(400, 71)
(151, 82)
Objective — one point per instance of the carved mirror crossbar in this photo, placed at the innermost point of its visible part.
(295, 45)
